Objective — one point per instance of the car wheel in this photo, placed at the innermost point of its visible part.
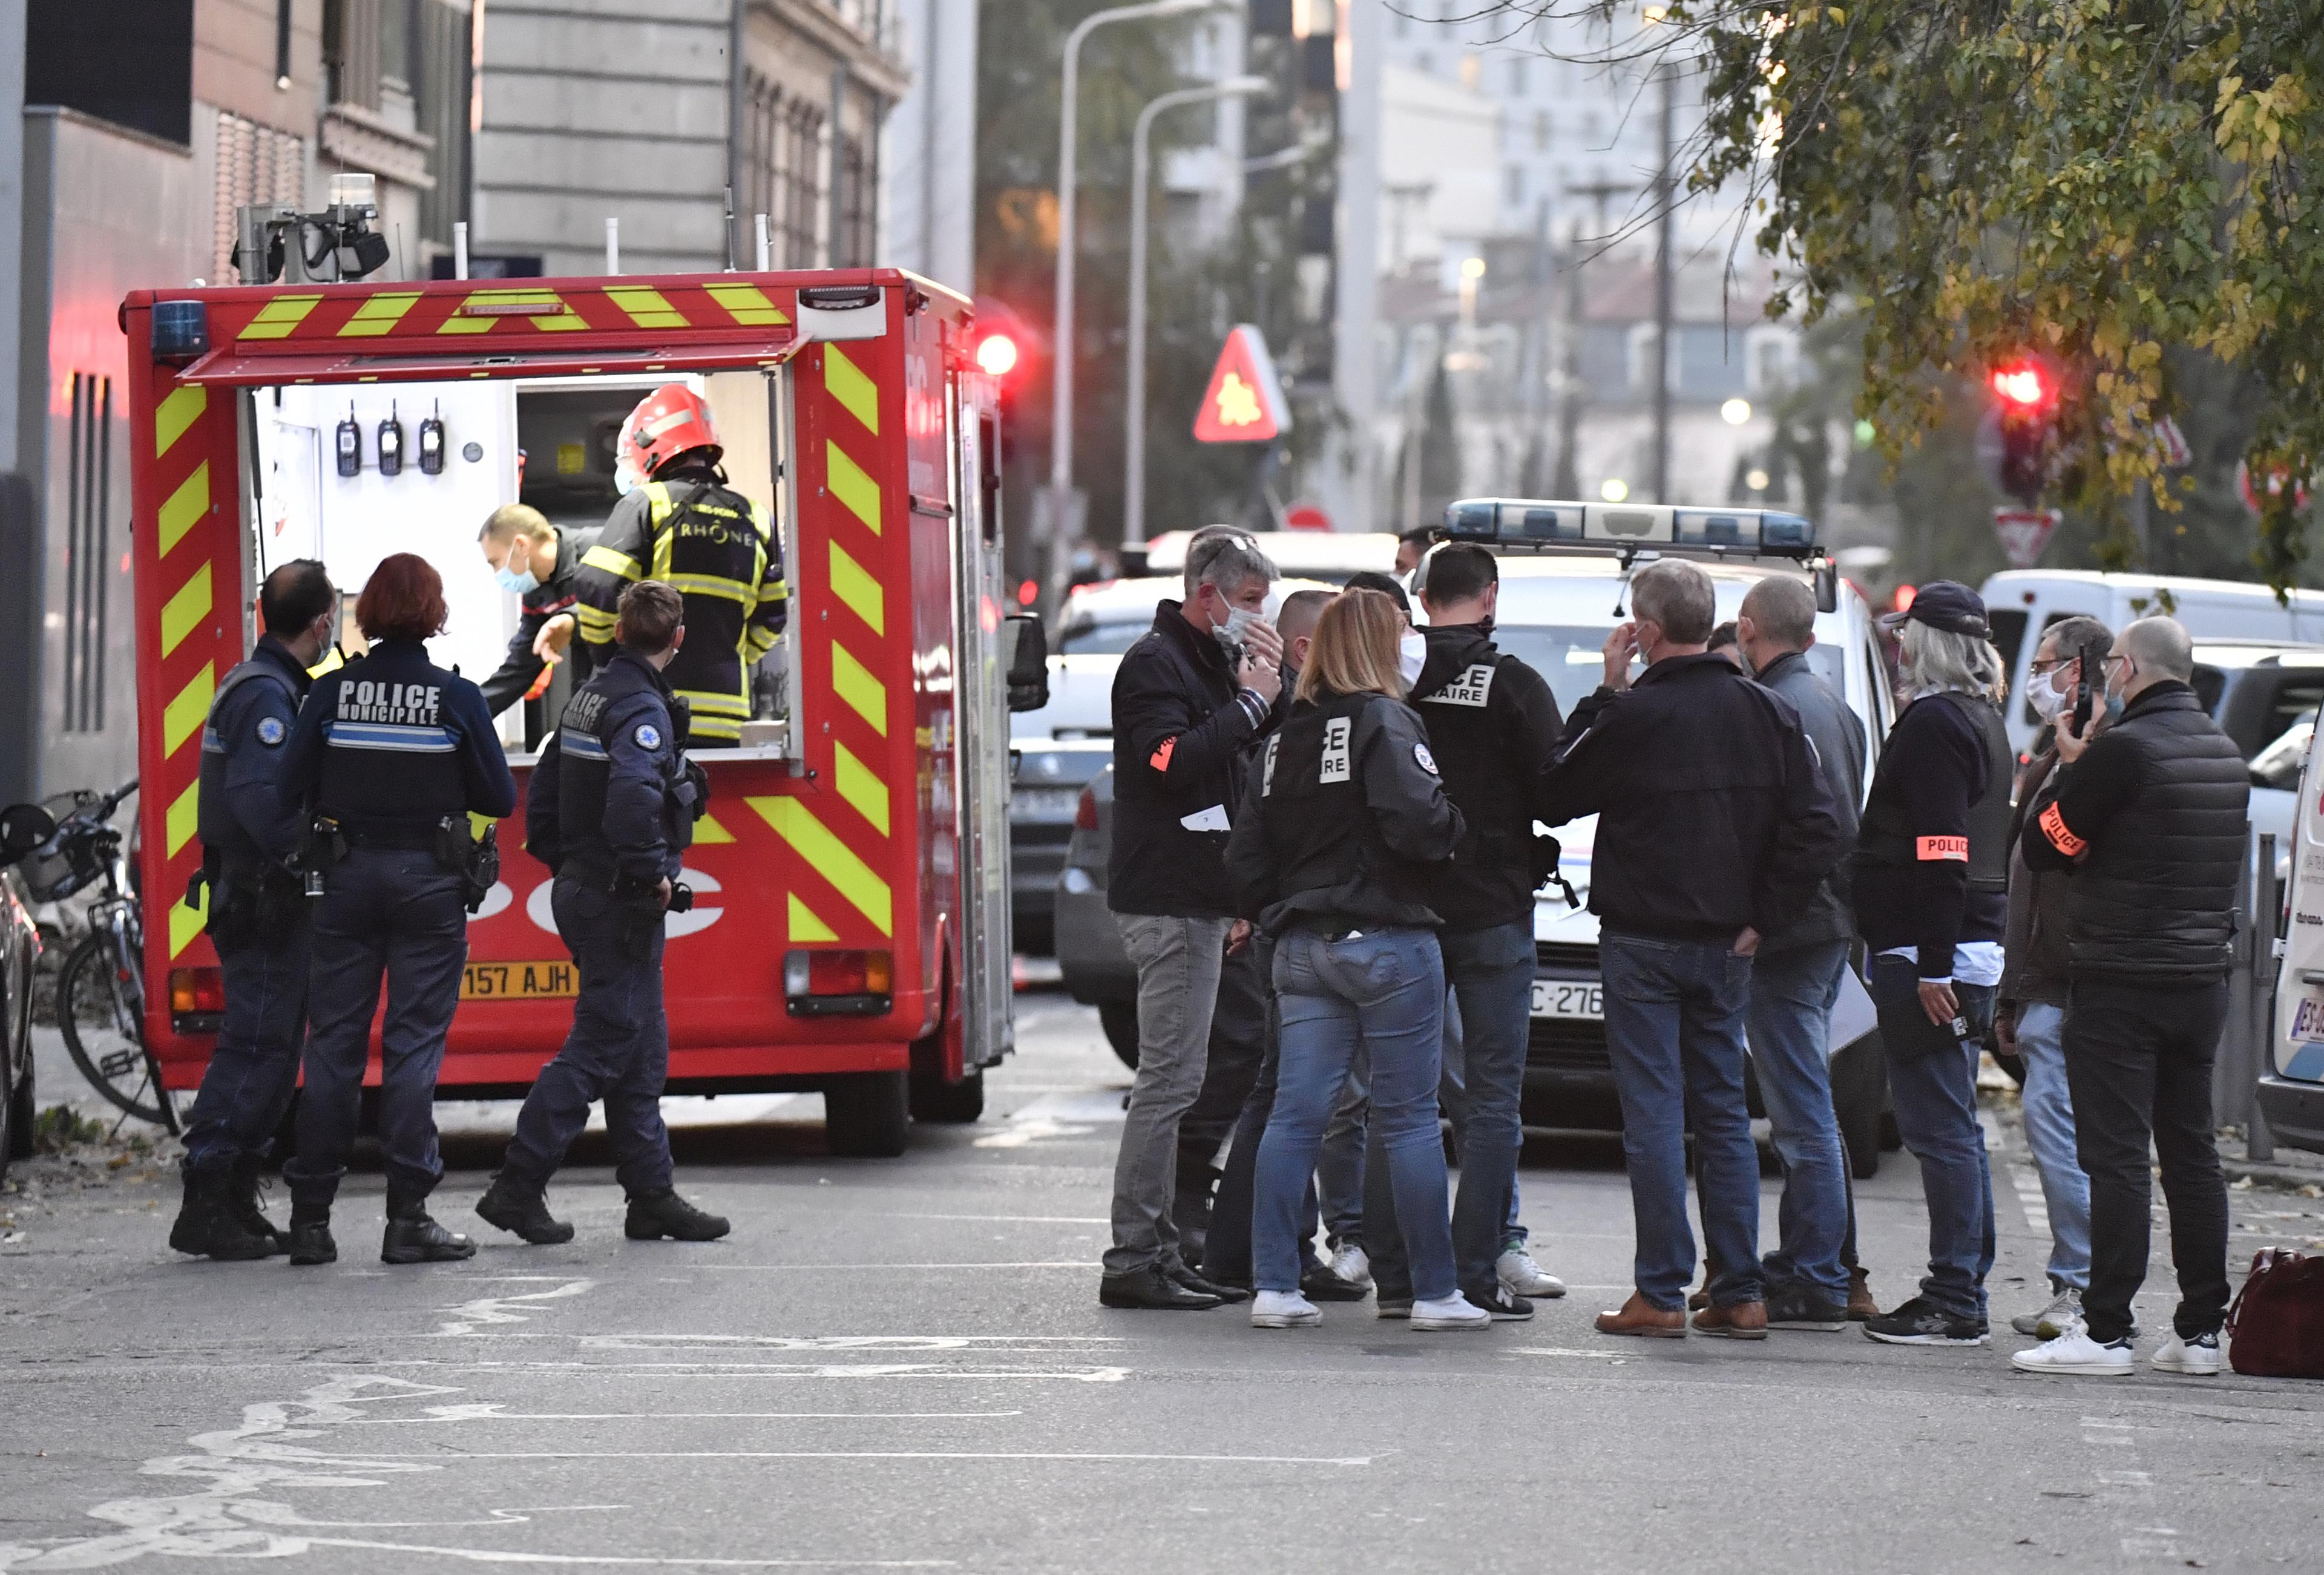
(1119, 1019)
(867, 1115)
(1859, 1090)
(948, 1103)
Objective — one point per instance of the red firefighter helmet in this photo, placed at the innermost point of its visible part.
(666, 423)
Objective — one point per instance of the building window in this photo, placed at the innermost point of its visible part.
(353, 33)
(784, 175)
(255, 163)
(855, 170)
(88, 550)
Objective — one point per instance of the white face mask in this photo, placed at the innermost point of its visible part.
(1239, 619)
(2051, 695)
(1411, 656)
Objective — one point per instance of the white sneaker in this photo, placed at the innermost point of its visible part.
(1524, 1277)
(1453, 1312)
(1283, 1309)
(2064, 1310)
(2198, 1358)
(1349, 1262)
(2075, 1352)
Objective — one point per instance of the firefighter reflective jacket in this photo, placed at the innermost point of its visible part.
(720, 552)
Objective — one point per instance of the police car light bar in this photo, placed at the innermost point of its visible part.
(1535, 522)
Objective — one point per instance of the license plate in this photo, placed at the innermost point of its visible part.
(1048, 806)
(1581, 998)
(557, 981)
(2308, 1020)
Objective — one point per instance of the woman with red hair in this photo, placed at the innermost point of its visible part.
(392, 754)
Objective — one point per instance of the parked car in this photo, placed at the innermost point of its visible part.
(19, 955)
(1044, 789)
(2292, 1083)
(1313, 554)
(1092, 961)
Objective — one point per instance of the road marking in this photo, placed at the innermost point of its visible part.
(1023, 1130)
(726, 1372)
(1032, 1343)
(769, 1267)
(2027, 1184)
(487, 1311)
(1557, 1350)
(1002, 1219)
(494, 1410)
(894, 1455)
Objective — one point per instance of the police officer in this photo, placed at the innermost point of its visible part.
(685, 527)
(537, 563)
(390, 755)
(256, 917)
(613, 805)
(1333, 853)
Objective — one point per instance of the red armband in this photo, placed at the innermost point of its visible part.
(2054, 827)
(1161, 760)
(1955, 849)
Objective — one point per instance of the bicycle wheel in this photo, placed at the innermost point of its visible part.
(101, 1007)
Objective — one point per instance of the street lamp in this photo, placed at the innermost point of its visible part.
(1133, 503)
(1061, 414)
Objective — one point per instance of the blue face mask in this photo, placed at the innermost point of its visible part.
(514, 583)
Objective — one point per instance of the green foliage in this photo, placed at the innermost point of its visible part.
(58, 1128)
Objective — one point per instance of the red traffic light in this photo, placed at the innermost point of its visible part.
(2022, 384)
(996, 354)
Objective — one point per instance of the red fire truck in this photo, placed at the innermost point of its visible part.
(850, 934)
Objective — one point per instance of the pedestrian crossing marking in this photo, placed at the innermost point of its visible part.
(805, 926)
(853, 584)
(848, 385)
(830, 858)
(860, 786)
(181, 613)
(189, 503)
(851, 486)
(182, 408)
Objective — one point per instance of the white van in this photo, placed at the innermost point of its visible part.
(2023, 603)
(2291, 1089)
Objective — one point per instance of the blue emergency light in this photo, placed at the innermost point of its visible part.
(1531, 522)
(181, 329)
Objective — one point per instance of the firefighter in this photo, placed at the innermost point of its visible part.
(614, 804)
(256, 917)
(685, 527)
(392, 754)
(537, 563)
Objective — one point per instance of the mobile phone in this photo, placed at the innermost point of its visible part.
(2090, 684)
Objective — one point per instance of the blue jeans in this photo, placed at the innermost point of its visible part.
(254, 1067)
(1383, 989)
(2049, 1112)
(1675, 1031)
(1933, 1076)
(1791, 996)
(1340, 1172)
(618, 1051)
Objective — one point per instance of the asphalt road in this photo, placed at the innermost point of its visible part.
(902, 1365)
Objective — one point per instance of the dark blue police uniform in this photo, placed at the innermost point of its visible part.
(610, 811)
(257, 916)
(389, 747)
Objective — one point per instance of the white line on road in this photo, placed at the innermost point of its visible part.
(492, 1411)
(496, 1309)
(728, 1371)
(916, 1267)
(1559, 1351)
(464, 1457)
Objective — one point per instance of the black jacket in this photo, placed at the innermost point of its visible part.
(390, 745)
(2153, 820)
(1837, 735)
(2035, 939)
(545, 601)
(610, 794)
(1494, 728)
(1711, 813)
(1346, 823)
(1931, 817)
(1181, 731)
(242, 814)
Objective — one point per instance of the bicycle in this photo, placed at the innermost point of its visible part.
(101, 986)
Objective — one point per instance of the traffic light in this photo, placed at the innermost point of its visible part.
(2026, 413)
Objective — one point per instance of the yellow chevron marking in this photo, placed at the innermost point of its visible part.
(648, 308)
(848, 385)
(747, 304)
(189, 503)
(185, 923)
(184, 817)
(279, 317)
(858, 589)
(182, 718)
(183, 612)
(860, 787)
(851, 486)
(174, 414)
(830, 858)
(563, 319)
(852, 682)
(707, 830)
(379, 315)
(805, 926)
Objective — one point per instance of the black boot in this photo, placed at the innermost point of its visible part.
(654, 1215)
(310, 1234)
(206, 1225)
(242, 1201)
(411, 1237)
(521, 1208)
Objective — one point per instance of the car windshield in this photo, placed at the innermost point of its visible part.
(1571, 657)
(1090, 638)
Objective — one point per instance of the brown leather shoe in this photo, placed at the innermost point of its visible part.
(1701, 1299)
(1862, 1307)
(1742, 1321)
(1641, 1317)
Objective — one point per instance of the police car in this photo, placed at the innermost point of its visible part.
(1565, 571)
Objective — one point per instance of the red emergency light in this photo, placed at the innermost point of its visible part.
(996, 354)
(2022, 384)
(1903, 600)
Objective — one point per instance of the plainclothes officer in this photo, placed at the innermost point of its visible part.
(2153, 818)
(1714, 828)
(613, 805)
(1494, 727)
(392, 754)
(1332, 854)
(1931, 880)
(256, 915)
(538, 564)
(685, 527)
